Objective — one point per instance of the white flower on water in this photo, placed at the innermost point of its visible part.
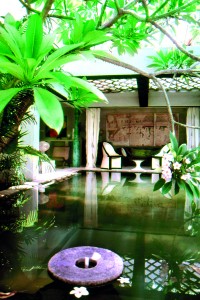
(176, 165)
(79, 291)
(123, 280)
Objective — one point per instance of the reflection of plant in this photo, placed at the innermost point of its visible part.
(31, 219)
(30, 225)
(180, 170)
(178, 269)
(192, 223)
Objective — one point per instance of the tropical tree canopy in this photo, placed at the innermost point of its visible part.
(53, 33)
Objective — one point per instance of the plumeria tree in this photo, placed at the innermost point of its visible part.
(53, 33)
(180, 170)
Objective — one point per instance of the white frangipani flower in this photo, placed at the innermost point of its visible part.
(177, 165)
(166, 164)
(168, 157)
(187, 161)
(79, 291)
(186, 176)
(167, 174)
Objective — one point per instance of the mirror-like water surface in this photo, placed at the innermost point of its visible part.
(158, 238)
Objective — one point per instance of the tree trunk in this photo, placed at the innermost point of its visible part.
(12, 117)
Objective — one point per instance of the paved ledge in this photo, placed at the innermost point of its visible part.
(58, 175)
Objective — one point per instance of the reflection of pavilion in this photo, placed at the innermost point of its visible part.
(109, 181)
(91, 205)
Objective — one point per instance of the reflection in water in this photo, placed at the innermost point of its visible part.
(90, 204)
(110, 181)
(149, 231)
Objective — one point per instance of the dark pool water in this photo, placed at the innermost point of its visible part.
(158, 238)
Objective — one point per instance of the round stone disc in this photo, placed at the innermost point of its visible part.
(88, 266)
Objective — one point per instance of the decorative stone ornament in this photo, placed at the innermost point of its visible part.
(86, 266)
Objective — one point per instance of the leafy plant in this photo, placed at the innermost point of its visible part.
(170, 59)
(11, 169)
(180, 170)
(30, 57)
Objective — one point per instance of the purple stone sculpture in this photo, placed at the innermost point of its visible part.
(88, 266)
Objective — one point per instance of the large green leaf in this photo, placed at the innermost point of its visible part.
(166, 187)
(189, 191)
(159, 184)
(49, 108)
(174, 142)
(194, 189)
(80, 83)
(5, 50)
(57, 63)
(70, 81)
(6, 96)
(16, 37)
(13, 69)
(182, 150)
(45, 47)
(52, 60)
(95, 37)
(60, 89)
(8, 39)
(34, 36)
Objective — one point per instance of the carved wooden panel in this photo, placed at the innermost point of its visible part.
(134, 129)
(118, 129)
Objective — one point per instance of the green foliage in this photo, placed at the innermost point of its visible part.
(31, 59)
(170, 59)
(11, 169)
(180, 170)
(128, 33)
(84, 31)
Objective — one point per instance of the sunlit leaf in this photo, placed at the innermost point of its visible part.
(34, 35)
(182, 150)
(17, 56)
(6, 96)
(70, 81)
(53, 61)
(174, 142)
(95, 37)
(49, 108)
(13, 69)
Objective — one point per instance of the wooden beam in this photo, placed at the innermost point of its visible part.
(143, 90)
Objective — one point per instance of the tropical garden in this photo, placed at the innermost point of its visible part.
(36, 49)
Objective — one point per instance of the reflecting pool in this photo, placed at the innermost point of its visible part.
(158, 238)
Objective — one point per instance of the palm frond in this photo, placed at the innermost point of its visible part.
(28, 150)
